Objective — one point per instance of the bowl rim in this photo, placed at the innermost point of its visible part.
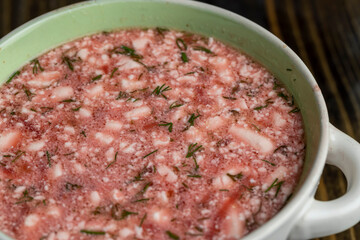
(306, 192)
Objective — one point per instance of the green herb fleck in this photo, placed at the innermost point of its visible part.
(282, 95)
(275, 184)
(76, 109)
(68, 154)
(235, 177)
(91, 232)
(181, 44)
(25, 198)
(141, 200)
(194, 176)
(172, 235)
(124, 50)
(229, 98)
(18, 155)
(131, 99)
(159, 90)
(113, 72)
(68, 100)
(71, 186)
(145, 188)
(48, 157)
(196, 164)
(150, 153)
(12, 76)
(122, 95)
(280, 147)
(192, 149)
(184, 57)
(189, 73)
(28, 93)
(191, 120)
(200, 48)
(161, 31)
(256, 127)
(36, 66)
(143, 219)
(68, 62)
(175, 105)
(124, 214)
(167, 124)
(83, 133)
(185, 185)
(272, 164)
(138, 178)
(223, 190)
(295, 110)
(260, 107)
(114, 161)
(96, 78)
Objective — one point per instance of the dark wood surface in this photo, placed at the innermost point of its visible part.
(324, 33)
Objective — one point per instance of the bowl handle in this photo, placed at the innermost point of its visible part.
(329, 217)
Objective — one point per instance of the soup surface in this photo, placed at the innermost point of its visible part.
(145, 134)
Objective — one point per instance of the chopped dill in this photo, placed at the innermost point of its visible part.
(150, 153)
(68, 100)
(159, 90)
(141, 200)
(181, 44)
(122, 95)
(145, 188)
(282, 95)
(25, 198)
(142, 219)
(36, 66)
(275, 184)
(161, 31)
(201, 48)
(194, 176)
(167, 124)
(113, 72)
(12, 76)
(184, 57)
(272, 164)
(91, 232)
(280, 147)
(260, 107)
(295, 110)
(114, 161)
(175, 105)
(192, 149)
(127, 51)
(71, 186)
(235, 177)
(229, 98)
(48, 157)
(191, 120)
(68, 62)
(185, 185)
(96, 78)
(76, 109)
(172, 235)
(18, 155)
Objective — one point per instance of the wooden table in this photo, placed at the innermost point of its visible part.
(324, 33)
